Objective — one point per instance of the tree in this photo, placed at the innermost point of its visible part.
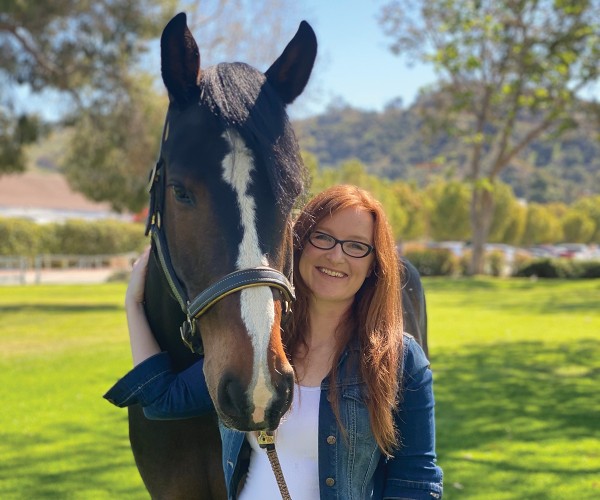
(513, 234)
(541, 226)
(449, 217)
(577, 227)
(412, 202)
(591, 207)
(499, 60)
(504, 208)
(110, 154)
(91, 54)
(82, 50)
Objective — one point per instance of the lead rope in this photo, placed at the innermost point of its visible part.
(266, 441)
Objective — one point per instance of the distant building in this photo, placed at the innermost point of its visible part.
(45, 198)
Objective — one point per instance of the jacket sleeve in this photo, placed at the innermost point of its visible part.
(412, 473)
(163, 394)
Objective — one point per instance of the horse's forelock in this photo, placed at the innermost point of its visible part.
(241, 98)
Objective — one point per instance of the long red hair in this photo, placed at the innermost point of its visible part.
(375, 317)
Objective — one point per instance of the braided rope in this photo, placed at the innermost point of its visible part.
(272, 454)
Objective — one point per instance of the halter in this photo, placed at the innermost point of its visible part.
(228, 284)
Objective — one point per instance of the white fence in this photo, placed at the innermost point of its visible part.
(63, 268)
(13, 269)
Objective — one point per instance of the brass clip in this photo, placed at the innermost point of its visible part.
(265, 438)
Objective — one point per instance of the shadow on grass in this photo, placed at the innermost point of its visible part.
(59, 308)
(527, 392)
(94, 465)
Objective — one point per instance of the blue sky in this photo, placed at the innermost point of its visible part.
(354, 62)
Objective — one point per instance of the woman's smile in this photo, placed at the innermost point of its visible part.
(332, 273)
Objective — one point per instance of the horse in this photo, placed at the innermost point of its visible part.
(221, 200)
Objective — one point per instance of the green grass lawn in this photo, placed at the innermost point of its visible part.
(517, 382)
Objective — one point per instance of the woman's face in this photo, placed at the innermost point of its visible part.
(331, 275)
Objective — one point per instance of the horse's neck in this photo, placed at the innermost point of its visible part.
(165, 317)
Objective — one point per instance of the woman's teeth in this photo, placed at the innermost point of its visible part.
(331, 273)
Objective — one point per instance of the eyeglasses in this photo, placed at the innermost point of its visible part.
(324, 241)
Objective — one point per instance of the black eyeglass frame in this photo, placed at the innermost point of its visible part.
(341, 242)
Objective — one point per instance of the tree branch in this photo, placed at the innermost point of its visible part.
(42, 60)
(533, 134)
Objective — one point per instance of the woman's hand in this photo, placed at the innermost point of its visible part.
(143, 343)
(135, 289)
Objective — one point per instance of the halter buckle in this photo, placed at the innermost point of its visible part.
(190, 337)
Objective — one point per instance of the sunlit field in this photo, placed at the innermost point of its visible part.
(517, 383)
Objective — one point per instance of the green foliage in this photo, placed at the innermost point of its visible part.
(102, 237)
(21, 237)
(577, 227)
(516, 226)
(414, 205)
(558, 268)
(541, 226)
(110, 153)
(81, 50)
(494, 263)
(449, 216)
(433, 261)
(400, 152)
(499, 60)
(591, 207)
(15, 132)
(505, 208)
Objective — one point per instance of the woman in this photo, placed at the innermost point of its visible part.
(361, 424)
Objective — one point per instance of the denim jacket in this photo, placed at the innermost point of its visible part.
(349, 468)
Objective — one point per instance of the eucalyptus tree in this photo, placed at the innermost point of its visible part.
(510, 72)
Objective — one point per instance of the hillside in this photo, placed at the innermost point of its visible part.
(390, 143)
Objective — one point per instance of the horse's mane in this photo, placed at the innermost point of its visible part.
(241, 98)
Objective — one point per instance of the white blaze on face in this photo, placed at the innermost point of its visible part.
(258, 312)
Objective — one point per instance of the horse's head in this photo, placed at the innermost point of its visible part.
(233, 170)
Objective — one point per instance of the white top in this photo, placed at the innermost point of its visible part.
(296, 442)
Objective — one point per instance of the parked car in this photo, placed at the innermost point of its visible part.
(577, 251)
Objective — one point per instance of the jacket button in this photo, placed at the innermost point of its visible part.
(331, 440)
(329, 481)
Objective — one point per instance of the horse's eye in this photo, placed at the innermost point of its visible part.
(180, 193)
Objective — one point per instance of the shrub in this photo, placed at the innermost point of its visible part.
(494, 263)
(433, 261)
(75, 237)
(558, 268)
(20, 237)
(589, 269)
(102, 237)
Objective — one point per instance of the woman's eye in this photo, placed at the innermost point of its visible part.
(180, 193)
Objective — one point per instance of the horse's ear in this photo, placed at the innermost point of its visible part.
(180, 61)
(289, 74)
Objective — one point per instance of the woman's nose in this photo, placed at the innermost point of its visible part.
(336, 254)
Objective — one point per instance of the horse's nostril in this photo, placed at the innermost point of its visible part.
(231, 397)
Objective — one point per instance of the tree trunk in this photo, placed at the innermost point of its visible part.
(482, 210)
